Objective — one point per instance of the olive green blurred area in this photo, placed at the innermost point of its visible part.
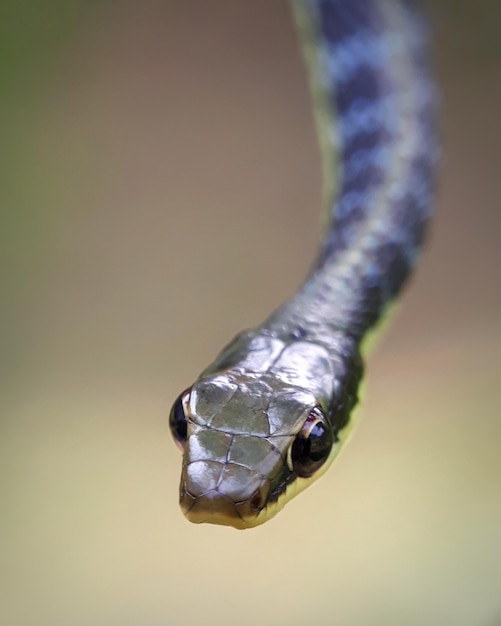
(159, 191)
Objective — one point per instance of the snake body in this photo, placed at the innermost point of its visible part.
(274, 409)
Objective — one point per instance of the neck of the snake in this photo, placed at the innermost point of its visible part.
(375, 112)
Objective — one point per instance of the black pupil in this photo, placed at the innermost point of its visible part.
(311, 451)
(177, 420)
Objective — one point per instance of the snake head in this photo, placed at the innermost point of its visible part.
(254, 430)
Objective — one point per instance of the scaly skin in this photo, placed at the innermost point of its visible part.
(375, 106)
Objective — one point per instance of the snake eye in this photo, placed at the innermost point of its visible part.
(178, 421)
(312, 445)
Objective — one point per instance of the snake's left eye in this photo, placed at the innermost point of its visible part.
(312, 445)
(178, 421)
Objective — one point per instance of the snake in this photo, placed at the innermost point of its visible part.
(270, 414)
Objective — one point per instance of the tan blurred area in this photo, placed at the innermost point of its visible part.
(160, 191)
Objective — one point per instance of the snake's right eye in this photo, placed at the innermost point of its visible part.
(312, 445)
(178, 421)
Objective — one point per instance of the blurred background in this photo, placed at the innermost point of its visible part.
(159, 191)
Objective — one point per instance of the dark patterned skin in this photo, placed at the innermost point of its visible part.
(296, 376)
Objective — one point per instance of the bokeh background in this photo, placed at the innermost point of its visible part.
(160, 185)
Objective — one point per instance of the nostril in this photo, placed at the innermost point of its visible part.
(256, 502)
(259, 500)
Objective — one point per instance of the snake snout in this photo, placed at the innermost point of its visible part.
(222, 493)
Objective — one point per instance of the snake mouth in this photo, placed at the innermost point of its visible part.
(226, 501)
(214, 507)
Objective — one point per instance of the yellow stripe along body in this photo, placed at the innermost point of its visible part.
(245, 425)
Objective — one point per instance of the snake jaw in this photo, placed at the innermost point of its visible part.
(214, 492)
(213, 507)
